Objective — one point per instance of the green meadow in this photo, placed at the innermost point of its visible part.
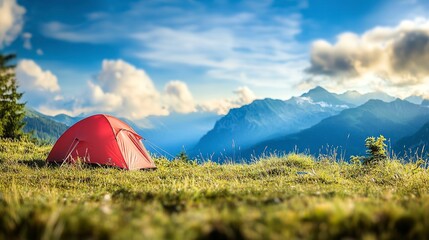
(278, 197)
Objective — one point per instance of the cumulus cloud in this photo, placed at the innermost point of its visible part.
(31, 77)
(11, 21)
(382, 57)
(179, 98)
(119, 88)
(123, 89)
(242, 95)
(126, 90)
(38, 85)
(71, 106)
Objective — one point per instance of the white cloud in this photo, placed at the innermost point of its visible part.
(39, 52)
(39, 86)
(43, 92)
(31, 77)
(119, 88)
(126, 90)
(393, 59)
(11, 21)
(105, 101)
(72, 106)
(178, 97)
(242, 96)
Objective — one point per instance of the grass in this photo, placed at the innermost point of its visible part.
(289, 197)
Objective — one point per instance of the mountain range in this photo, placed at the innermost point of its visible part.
(310, 122)
(266, 119)
(66, 119)
(348, 130)
(357, 99)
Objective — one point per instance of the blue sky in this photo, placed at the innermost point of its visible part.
(143, 58)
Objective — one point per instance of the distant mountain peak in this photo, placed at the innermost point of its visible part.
(371, 101)
(317, 89)
(357, 99)
(402, 102)
(398, 104)
(319, 94)
(414, 99)
(352, 94)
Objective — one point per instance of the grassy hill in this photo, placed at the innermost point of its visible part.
(43, 127)
(288, 197)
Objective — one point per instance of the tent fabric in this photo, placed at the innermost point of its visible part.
(102, 139)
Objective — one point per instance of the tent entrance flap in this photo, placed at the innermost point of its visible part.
(134, 155)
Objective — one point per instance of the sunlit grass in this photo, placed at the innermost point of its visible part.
(278, 197)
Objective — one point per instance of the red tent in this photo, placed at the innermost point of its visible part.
(104, 140)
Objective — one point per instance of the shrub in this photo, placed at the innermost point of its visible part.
(376, 151)
(183, 157)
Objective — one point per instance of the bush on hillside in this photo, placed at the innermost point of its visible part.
(376, 151)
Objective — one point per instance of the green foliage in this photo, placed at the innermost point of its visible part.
(376, 151)
(182, 156)
(356, 159)
(281, 197)
(42, 128)
(11, 110)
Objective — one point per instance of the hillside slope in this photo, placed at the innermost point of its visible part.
(417, 143)
(42, 126)
(66, 119)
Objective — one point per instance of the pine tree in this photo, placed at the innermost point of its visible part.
(12, 112)
(376, 150)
